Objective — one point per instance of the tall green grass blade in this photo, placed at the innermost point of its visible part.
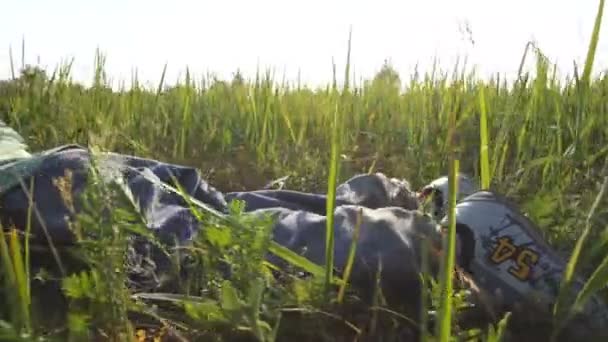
(11, 62)
(331, 204)
(159, 89)
(10, 279)
(21, 281)
(593, 44)
(347, 68)
(22, 52)
(334, 170)
(351, 256)
(424, 303)
(483, 123)
(449, 253)
(16, 285)
(28, 230)
(186, 116)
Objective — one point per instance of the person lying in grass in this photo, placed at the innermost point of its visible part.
(506, 261)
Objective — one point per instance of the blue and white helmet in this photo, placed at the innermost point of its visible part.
(507, 256)
(438, 190)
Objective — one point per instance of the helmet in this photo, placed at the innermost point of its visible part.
(439, 189)
(507, 256)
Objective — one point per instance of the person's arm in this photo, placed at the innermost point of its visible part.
(12, 145)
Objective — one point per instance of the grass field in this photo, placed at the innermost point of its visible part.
(547, 146)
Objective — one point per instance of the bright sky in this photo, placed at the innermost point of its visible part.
(290, 36)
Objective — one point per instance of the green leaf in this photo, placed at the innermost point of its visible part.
(218, 236)
(209, 311)
(229, 297)
(497, 335)
(299, 261)
(78, 322)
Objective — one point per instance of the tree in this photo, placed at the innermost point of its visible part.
(238, 79)
(387, 76)
(31, 74)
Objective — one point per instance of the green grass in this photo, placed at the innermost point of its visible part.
(539, 140)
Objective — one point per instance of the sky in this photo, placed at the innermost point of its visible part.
(293, 37)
